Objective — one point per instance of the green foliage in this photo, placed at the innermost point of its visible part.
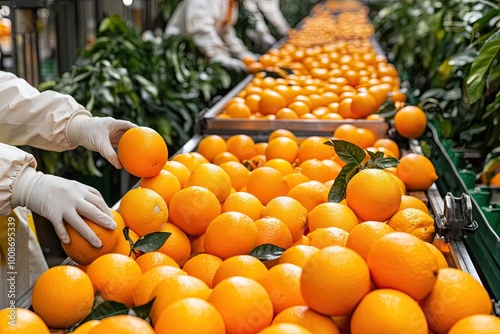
(354, 156)
(449, 52)
(267, 252)
(148, 243)
(162, 84)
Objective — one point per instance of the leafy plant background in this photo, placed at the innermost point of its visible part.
(448, 52)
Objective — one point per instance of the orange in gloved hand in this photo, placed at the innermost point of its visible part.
(142, 152)
(81, 251)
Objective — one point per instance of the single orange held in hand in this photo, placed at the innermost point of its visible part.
(142, 152)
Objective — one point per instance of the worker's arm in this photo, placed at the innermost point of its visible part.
(272, 12)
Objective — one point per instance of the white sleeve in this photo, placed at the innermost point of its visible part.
(30, 117)
(272, 12)
(201, 26)
(12, 160)
(260, 23)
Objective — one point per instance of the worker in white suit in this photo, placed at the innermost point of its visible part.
(211, 25)
(56, 122)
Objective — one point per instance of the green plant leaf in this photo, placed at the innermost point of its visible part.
(347, 151)
(267, 252)
(126, 230)
(142, 311)
(478, 73)
(339, 186)
(151, 242)
(273, 74)
(106, 309)
(382, 163)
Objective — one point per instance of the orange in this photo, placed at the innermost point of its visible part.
(334, 287)
(211, 145)
(309, 194)
(238, 110)
(388, 311)
(175, 288)
(270, 102)
(388, 144)
(244, 203)
(285, 328)
(21, 320)
(410, 122)
(142, 151)
(197, 244)
(416, 171)
(348, 132)
(243, 303)
(86, 327)
(363, 104)
(458, 291)
(314, 147)
(254, 162)
(282, 147)
(240, 265)
(413, 221)
(344, 108)
(281, 133)
(252, 101)
(260, 148)
(367, 137)
(179, 170)
(363, 235)
(166, 184)
(81, 251)
(191, 214)
(242, 146)
(190, 316)
(155, 259)
(298, 254)
(266, 183)
(320, 170)
(212, 177)
(379, 93)
(123, 324)
(286, 113)
(143, 210)
(408, 201)
(62, 296)
(203, 266)
(303, 240)
(373, 195)
(332, 215)
(299, 107)
(114, 277)
(289, 211)
(313, 321)
(273, 231)
(177, 246)
(441, 260)
(282, 165)
(295, 178)
(476, 324)
(230, 234)
(191, 160)
(328, 236)
(495, 180)
(149, 280)
(225, 157)
(238, 174)
(282, 283)
(402, 261)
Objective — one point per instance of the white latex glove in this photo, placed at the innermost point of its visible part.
(248, 54)
(98, 134)
(267, 41)
(230, 63)
(59, 200)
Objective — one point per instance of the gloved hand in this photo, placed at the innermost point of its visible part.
(248, 54)
(230, 63)
(59, 200)
(98, 134)
(267, 40)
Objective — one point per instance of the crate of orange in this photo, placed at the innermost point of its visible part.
(313, 87)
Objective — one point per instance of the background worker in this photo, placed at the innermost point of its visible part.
(210, 23)
(56, 122)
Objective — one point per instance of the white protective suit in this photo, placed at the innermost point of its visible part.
(51, 121)
(211, 25)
